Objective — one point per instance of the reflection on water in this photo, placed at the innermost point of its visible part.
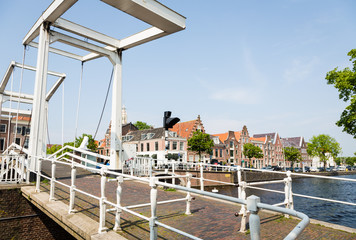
(321, 210)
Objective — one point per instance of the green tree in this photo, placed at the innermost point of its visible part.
(323, 146)
(345, 82)
(252, 151)
(91, 143)
(292, 155)
(200, 142)
(142, 125)
(54, 148)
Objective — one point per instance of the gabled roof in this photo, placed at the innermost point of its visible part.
(273, 136)
(292, 142)
(260, 139)
(186, 129)
(224, 136)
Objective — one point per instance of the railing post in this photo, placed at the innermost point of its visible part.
(72, 189)
(7, 159)
(243, 211)
(16, 167)
(201, 177)
(38, 179)
(117, 226)
(28, 170)
(2, 167)
(239, 180)
(53, 179)
(102, 200)
(173, 179)
(150, 168)
(11, 166)
(254, 219)
(189, 197)
(22, 168)
(153, 225)
(131, 166)
(288, 201)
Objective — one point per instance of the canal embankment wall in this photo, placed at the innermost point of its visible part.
(19, 219)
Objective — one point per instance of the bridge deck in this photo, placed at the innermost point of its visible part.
(210, 219)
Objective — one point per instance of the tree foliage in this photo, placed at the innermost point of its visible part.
(142, 125)
(54, 148)
(200, 142)
(292, 155)
(252, 151)
(345, 82)
(323, 146)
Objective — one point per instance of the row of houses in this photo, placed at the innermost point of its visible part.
(228, 146)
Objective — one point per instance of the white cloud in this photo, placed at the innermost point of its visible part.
(300, 70)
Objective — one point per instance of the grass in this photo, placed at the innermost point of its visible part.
(170, 189)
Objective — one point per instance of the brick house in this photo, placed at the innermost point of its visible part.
(186, 130)
(104, 144)
(151, 142)
(273, 149)
(7, 135)
(301, 145)
(219, 149)
(259, 142)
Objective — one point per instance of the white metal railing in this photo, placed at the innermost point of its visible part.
(13, 168)
(252, 203)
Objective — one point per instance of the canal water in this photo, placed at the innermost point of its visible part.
(325, 211)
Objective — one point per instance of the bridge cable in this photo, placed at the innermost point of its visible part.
(9, 122)
(80, 89)
(20, 89)
(106, 98)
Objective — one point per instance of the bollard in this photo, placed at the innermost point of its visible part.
(254, 219)
(243, 211)
(201, 177)
(189, 197)
(102, 205)
(288, 199)
(72, 189)
(117, 226)
(53, 179)
(38, 179)
(153, 225)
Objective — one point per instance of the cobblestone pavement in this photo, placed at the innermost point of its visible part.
(210, 219)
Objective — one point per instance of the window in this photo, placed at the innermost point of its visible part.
(216, 152)
(168, 147)
(141, 147)
(19, 130)
(220, 152)
(18, 141)
(127, 138)
(231, 153)
(2, 144)
(156, 146)
(181, 147)
(25, 144)
(231, 144)
(2, 128)
(147, 147)
(172, 134)
(174, 145)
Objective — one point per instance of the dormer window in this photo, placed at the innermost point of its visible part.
(127, 138)
(172, 134)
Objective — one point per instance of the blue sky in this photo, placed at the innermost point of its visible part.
(256, 63)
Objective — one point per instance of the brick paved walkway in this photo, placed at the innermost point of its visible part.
(210, 219)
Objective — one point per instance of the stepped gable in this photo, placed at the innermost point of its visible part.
(186, 129)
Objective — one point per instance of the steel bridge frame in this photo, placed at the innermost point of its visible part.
(163, 20)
